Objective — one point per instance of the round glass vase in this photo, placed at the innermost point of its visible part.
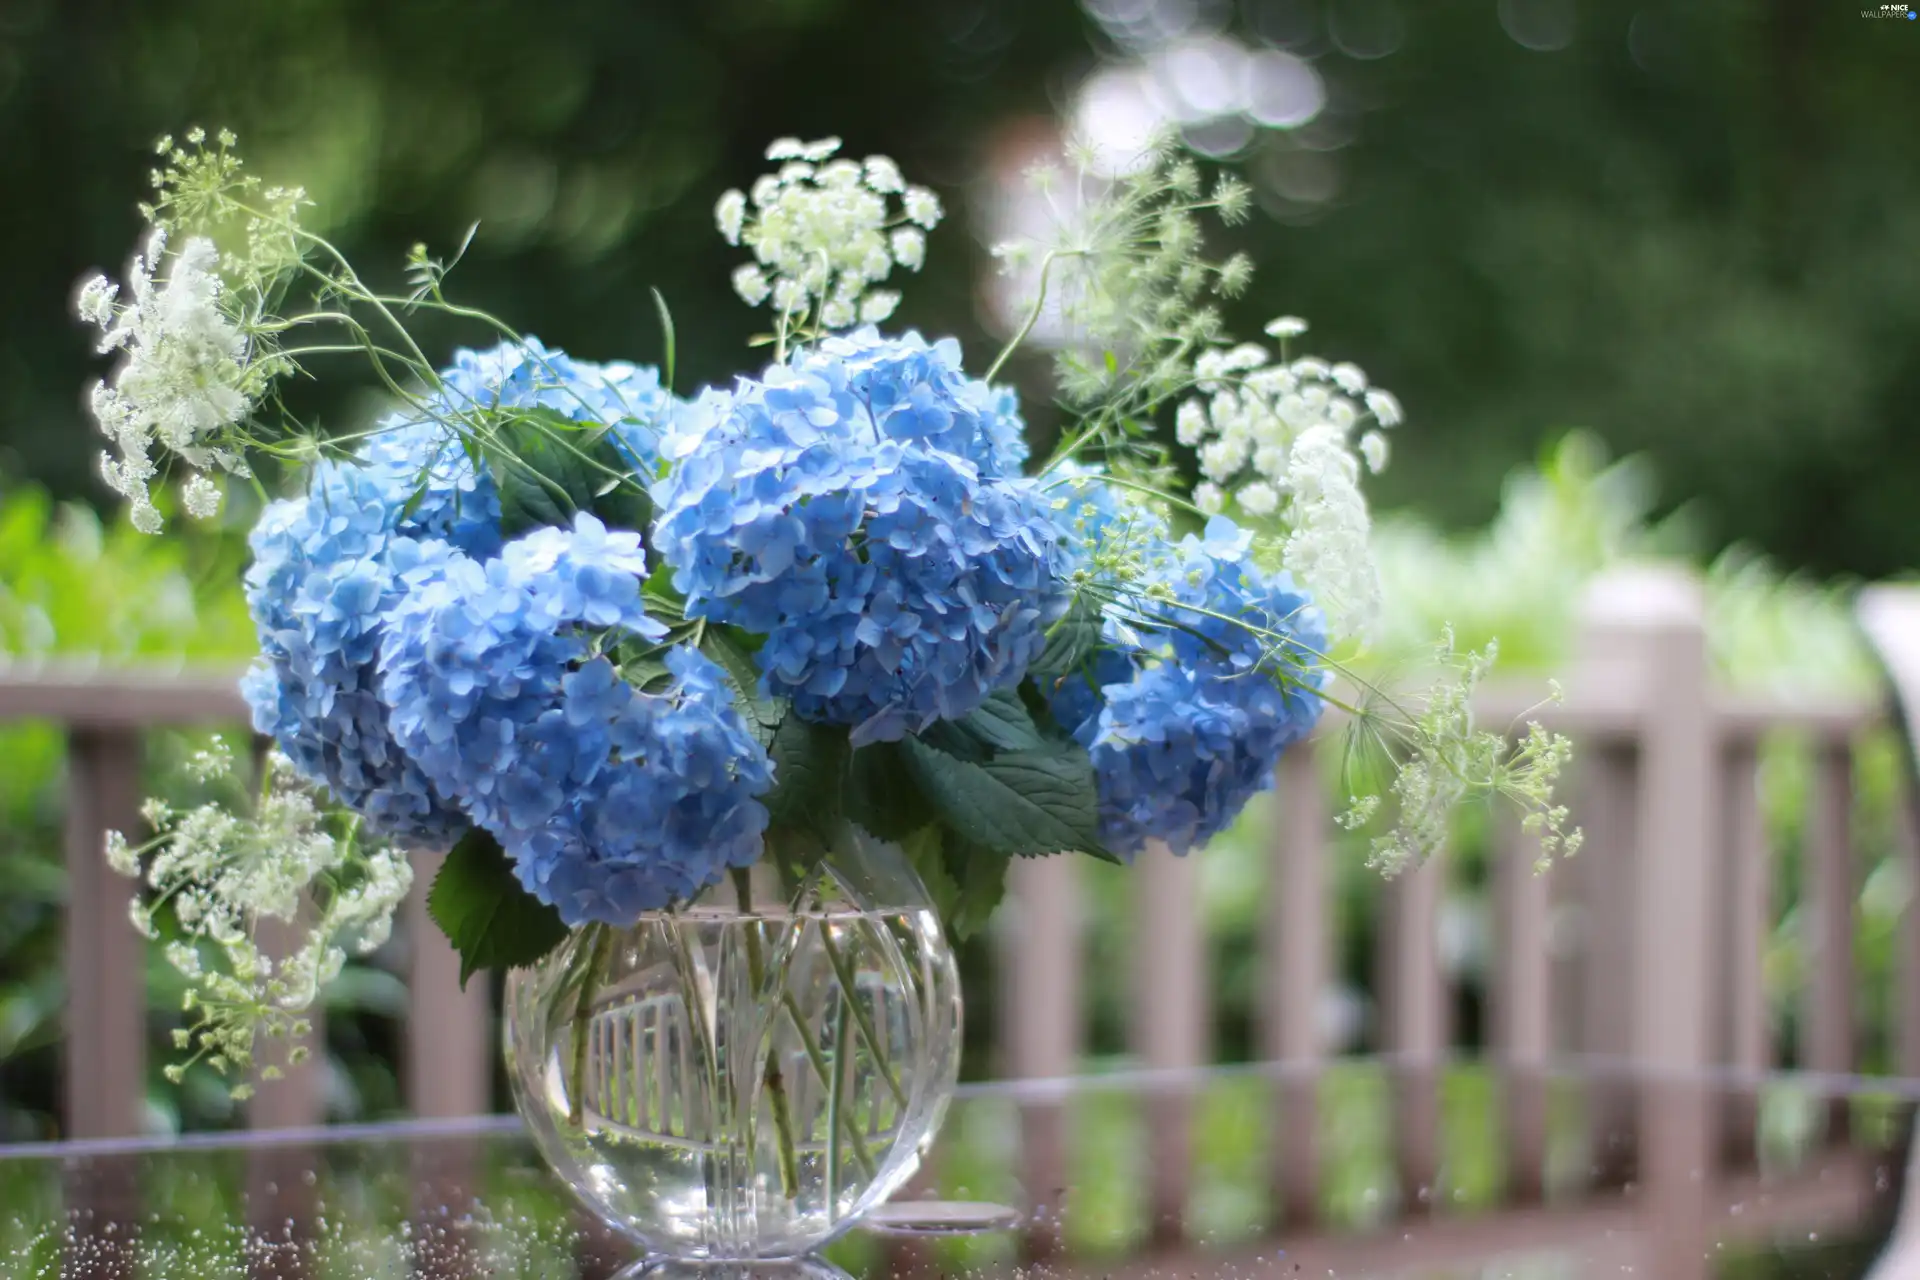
(748, 1075)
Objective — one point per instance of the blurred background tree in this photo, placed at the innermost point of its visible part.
(1685, 225)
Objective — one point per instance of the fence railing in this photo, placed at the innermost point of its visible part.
(1672, 895)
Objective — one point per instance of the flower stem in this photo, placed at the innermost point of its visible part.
(775, 1080)
(593, 959)
(860, 1018)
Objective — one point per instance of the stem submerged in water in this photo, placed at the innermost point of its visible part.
(592, 958)
(775, 1079)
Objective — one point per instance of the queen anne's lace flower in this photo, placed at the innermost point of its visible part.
(610, 801)
(1278, 440)
(1210, 673)
(824, 234)
(847, 508)
(184, 376)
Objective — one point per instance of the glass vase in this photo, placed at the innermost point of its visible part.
(748, 1075)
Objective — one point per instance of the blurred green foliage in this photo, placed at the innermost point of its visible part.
(1689, 225)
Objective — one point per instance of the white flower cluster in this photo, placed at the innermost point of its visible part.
(221, 874)
(1288, 438)
(184, 376)
(824, 232)
(1443, 758)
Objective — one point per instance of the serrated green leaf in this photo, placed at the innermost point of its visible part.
(809, 776)
(491, 920)
(881, 795)
(1001, 723)
(763, 715)
(547, 467)
(1018, 803)
(1071, 641)
(983, 883)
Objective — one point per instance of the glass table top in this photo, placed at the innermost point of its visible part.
(1358, 1168)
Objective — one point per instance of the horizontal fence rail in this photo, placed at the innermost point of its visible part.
(1646, 946)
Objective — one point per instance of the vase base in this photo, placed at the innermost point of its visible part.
(940, 1218)
(733, 1269)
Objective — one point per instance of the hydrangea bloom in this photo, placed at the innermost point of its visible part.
(1185, 722)
(327, 569)
(915, 390)
(833, 507)
(421, 455)
(609, 800)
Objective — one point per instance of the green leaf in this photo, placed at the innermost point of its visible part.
(1001, 723)
(547, 466)
(492, 922)
(809, 776)
(763, 715)
(965, 882)
(1071, 641)
(667, 336)
(881, 794)
(1025, 803)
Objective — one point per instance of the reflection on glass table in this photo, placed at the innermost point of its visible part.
(1361, 1169)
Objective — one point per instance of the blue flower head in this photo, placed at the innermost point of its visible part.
(325, 571)
(330, 566)
(916, 391)
(609, 800)
(1209, 674)
(835, 507)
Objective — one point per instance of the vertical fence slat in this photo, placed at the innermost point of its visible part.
(1040, 965)
(1171, 1020)
(1522, 1007)
(1653, 619)
(1603, 872)
(449, 1046)
(1296, 950)
(1748, 904)
(106, 964)
(1414, 999)
(1828, 894)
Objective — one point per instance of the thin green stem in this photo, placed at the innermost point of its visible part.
(1033, 316)
(775, 1079)
(848, 988)
(594, 953)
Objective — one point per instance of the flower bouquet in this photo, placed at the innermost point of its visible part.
(728, 710)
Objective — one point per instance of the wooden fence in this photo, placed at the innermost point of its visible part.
(1672, 895)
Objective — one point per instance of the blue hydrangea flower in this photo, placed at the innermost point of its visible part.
(832, 507)
(327, 569)
(525, 375)
(1186, 720)
(610, 801)
(916, 391)
(421, 454)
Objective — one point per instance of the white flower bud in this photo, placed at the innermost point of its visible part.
(909, 248)
(1384, 408)
(751, 284)
(922, 207)
(729, 214)
(1373, 447)
(1287, 327)
(1259, 499)
(201, 497)
(1190, 423)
